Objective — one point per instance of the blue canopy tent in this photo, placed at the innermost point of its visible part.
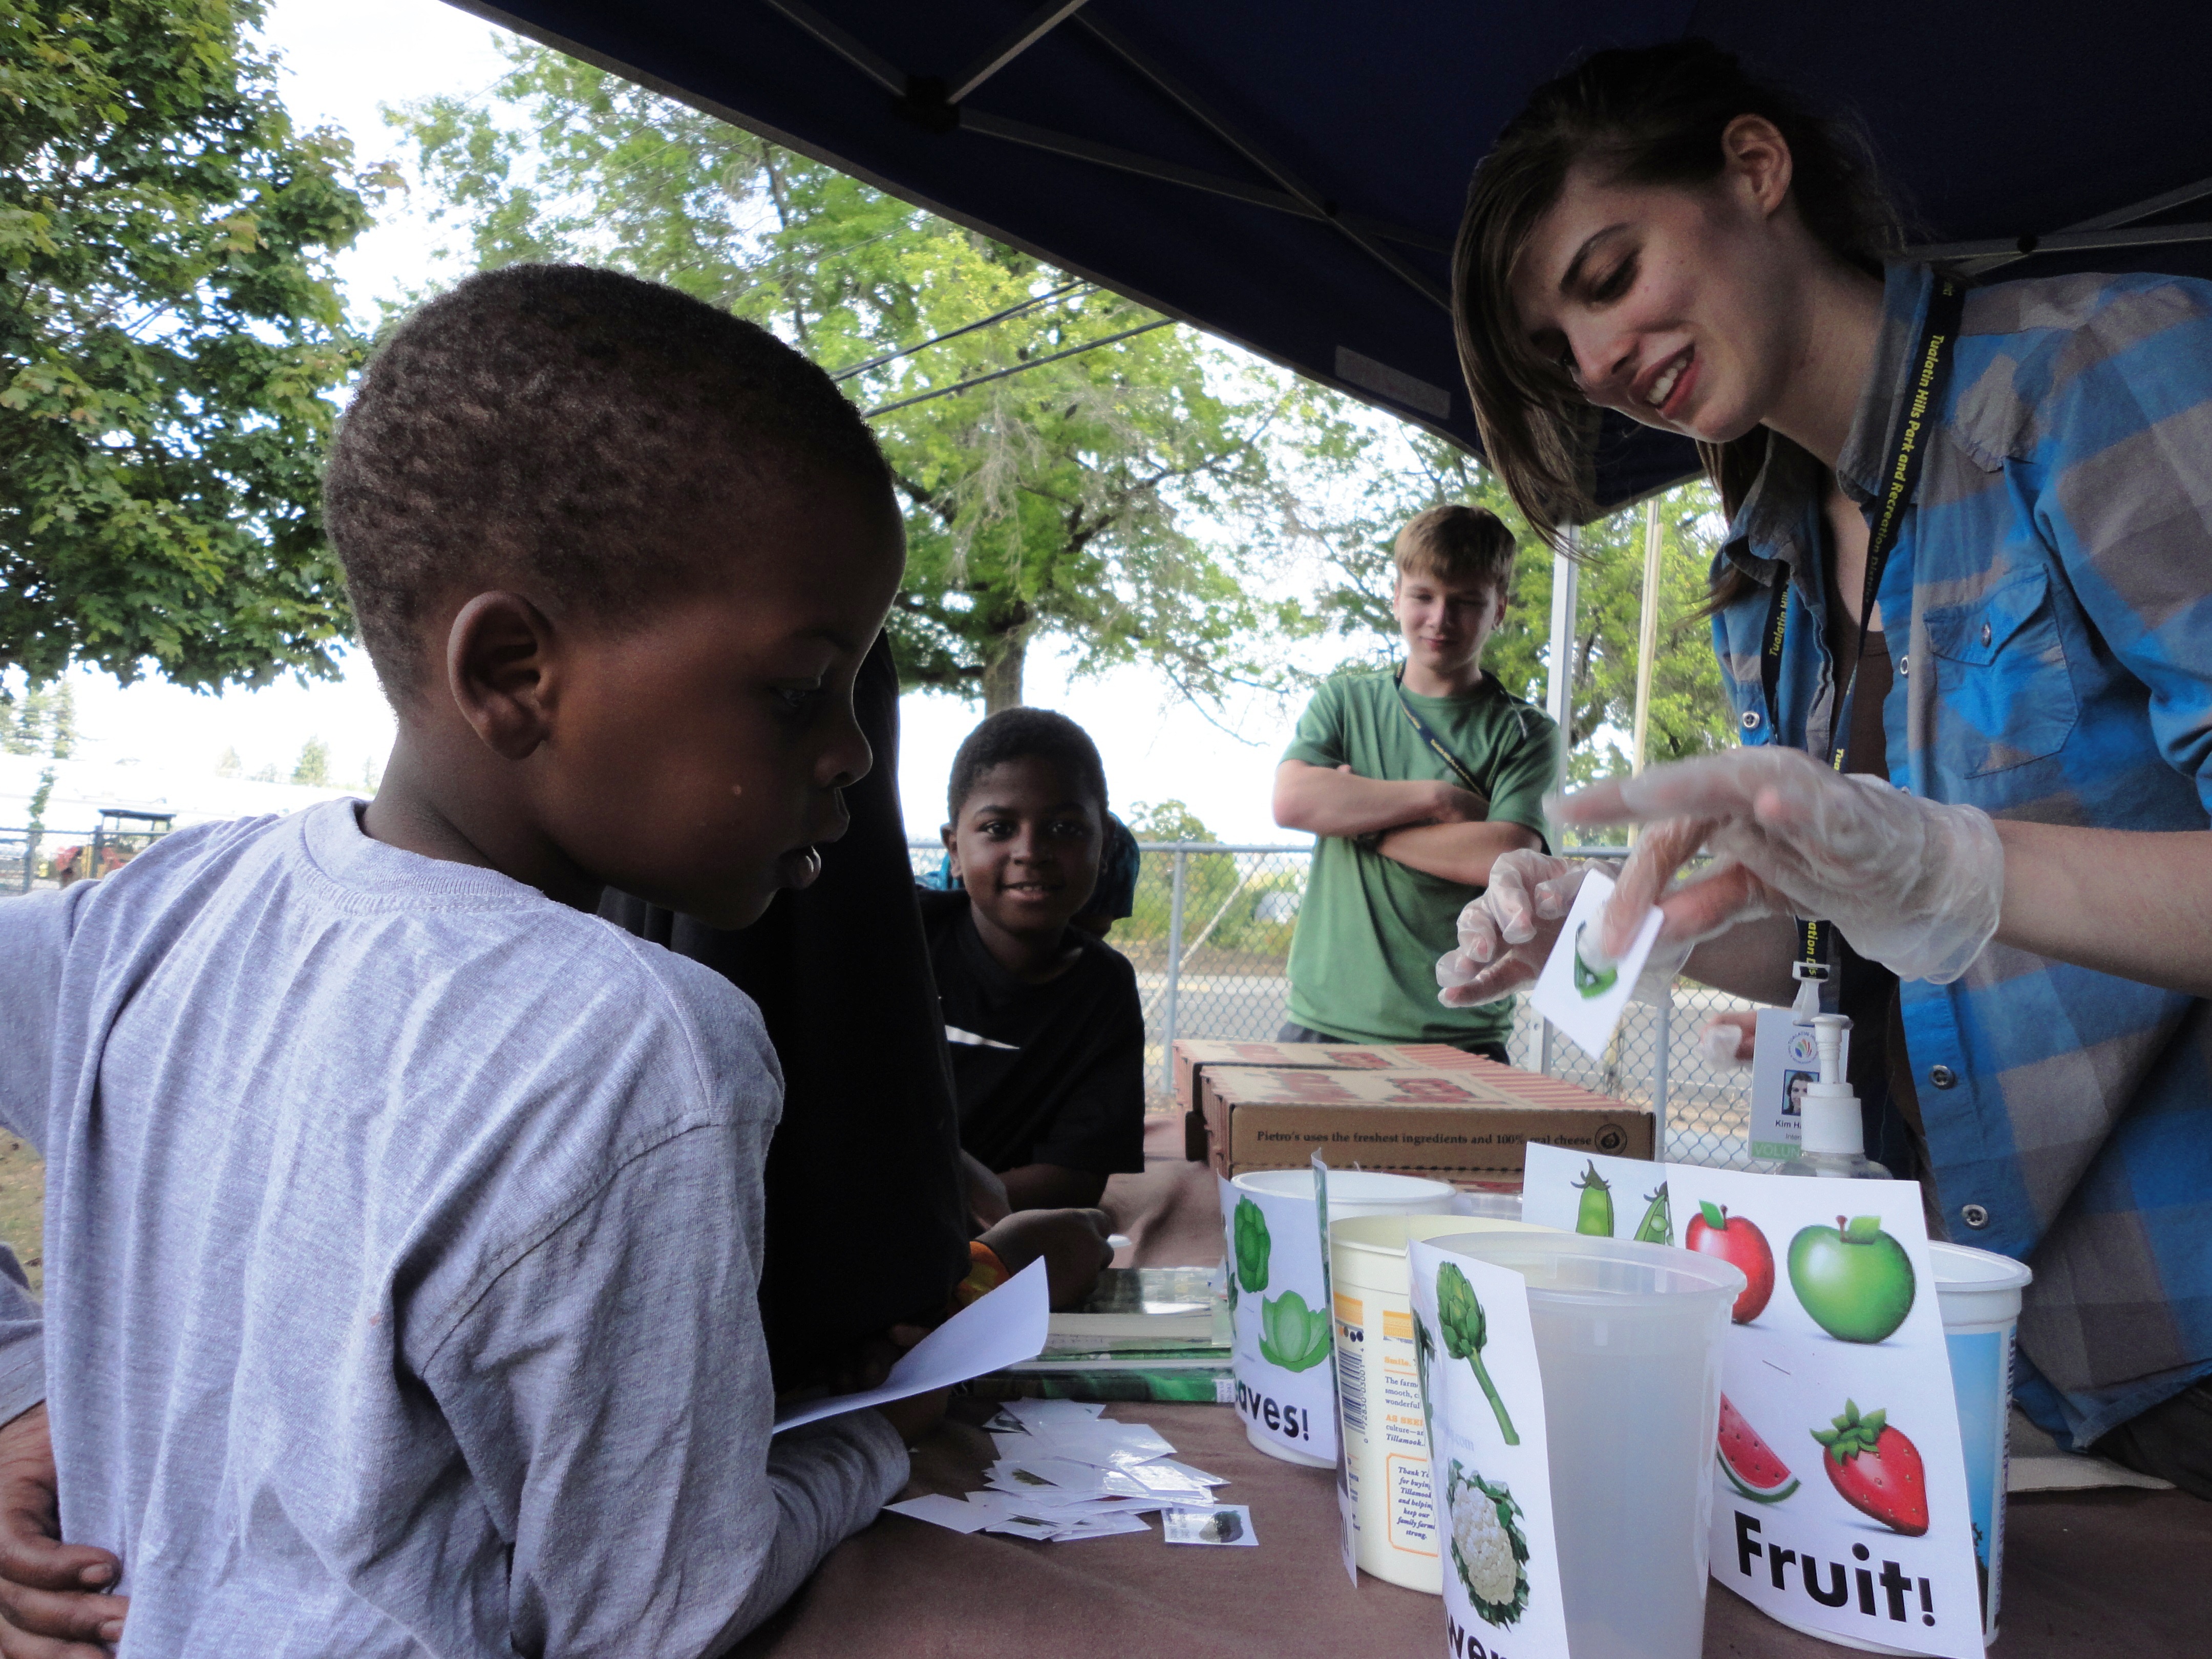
(1289, 176)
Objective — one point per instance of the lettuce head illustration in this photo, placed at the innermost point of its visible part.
(1253, 1246)
(1292, 1334)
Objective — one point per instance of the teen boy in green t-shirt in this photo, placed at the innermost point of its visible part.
(1408, 820)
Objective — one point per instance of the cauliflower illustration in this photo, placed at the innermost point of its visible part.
(1487, 1547)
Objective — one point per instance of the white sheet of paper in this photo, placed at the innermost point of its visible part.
(954, 1514)
(1003, 1328)
(1589, 1016)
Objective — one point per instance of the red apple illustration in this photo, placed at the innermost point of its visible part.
(1737, 1242)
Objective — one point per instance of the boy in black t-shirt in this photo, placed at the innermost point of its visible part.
(1047, 1035)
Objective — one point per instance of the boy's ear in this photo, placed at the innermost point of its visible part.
(498, 665)
(951, 848)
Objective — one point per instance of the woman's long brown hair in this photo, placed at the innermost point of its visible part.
(1650, 116)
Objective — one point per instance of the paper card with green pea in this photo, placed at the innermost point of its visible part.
(1489, 1468)
(1841, 1504)
(1584, 1002)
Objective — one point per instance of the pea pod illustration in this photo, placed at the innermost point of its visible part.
(1595, 1215)
(1657, 1226)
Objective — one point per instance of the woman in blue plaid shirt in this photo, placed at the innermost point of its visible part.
(2022, 914)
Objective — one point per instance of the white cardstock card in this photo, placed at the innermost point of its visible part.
(1841, 1503)
(1279, 1300)
(1489, 1467)
(1588, 1005)
(1347, 1520)
(1783, 1060)
(991, 1333)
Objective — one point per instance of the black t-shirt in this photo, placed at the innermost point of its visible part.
(1051, 1073)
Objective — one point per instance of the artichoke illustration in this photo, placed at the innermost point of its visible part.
(1253, 1246)
(1465, 1331)
(1487, 1546)
(1292, 1334)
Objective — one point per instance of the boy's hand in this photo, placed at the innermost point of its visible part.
(1071, 1241)
(49, 1607)
(1457, 805)
(987, 1193)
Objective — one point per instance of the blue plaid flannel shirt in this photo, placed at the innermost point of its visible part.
(2056, 571)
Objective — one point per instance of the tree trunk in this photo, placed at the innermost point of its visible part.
(1002, 675)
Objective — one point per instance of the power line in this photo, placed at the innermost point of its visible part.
(1021, 310)
(1034, 362)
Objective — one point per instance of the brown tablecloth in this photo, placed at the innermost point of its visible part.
(2086, 1574)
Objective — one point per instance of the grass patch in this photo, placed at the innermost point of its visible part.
(23, 1205)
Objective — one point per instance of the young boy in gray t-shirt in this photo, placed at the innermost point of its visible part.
(404, 1218)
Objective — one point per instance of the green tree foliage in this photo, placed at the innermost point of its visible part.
(1061, 501)
(43, 721)
(314, 766)
(1408, 472)
(169, 329)
(1170, 820)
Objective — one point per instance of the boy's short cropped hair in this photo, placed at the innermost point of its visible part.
(1457, 543)
(567, 428)
(1013, 734)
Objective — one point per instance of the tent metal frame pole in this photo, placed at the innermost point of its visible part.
(1012, 45)
(1174, 172)
(2083, 236)
(1204, 114)
(855, 51)
(1647, 637)
(2062, 242)
(1559, 688)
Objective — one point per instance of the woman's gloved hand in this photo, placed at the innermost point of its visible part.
(1505, 936)
(1914, 884)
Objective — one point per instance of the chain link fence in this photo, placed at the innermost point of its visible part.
(1210, 938)
(36, 860)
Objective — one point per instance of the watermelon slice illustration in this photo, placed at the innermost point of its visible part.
(1749, 1463)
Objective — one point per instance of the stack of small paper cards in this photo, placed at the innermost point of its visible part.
(1063, 1472)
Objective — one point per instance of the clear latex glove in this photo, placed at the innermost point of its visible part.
(1914, 884)
(1506, 935)
(1725, 1042)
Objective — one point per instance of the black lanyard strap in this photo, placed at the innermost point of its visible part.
(1436, 744)
(1899, 480)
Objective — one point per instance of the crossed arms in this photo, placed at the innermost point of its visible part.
(1435, 828)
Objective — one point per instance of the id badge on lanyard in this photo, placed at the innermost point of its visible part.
(1899, 479)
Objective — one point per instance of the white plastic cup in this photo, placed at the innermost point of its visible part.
(1292, 1416)
(1492, 1207)
(1978, 1292)
(1628, 1340)
(1386, 1445)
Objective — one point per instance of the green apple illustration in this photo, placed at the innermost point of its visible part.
(1853, 1278)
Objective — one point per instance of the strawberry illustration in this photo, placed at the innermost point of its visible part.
(1876, 1469)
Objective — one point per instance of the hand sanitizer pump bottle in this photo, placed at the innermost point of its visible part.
(1831, 1136)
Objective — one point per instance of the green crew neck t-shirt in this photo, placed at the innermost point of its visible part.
(1363, 961)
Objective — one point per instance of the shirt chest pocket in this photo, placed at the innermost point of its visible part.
(2004, 695)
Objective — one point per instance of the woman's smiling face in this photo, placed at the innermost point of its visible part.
(1677, 305)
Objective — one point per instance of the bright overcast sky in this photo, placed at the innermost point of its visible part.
(343, 59)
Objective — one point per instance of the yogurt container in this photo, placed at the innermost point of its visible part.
(1386, 1448)
(1280, 1301)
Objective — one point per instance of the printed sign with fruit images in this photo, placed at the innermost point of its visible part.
(1840, 1503)
(1484, 1396)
